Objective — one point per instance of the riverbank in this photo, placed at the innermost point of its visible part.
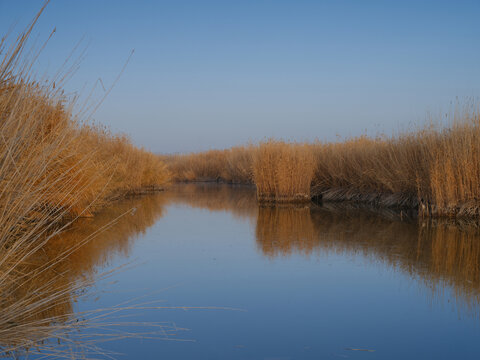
(434, 169)
(54, 169)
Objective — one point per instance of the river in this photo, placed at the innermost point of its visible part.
(203, 272)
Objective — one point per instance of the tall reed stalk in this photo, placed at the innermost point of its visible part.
(435, 168)
(283, 171)
(53, 169)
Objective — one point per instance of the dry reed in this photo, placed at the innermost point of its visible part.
(435, 168)
(52, 168)
(283, 171)
(233, 165)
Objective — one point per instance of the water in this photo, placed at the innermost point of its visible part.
(308, 282)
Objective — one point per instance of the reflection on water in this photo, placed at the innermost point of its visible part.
(239, 200)
(284, 230)
(42, 305)
(438, 253)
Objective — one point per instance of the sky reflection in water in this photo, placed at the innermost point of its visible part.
(314, 281)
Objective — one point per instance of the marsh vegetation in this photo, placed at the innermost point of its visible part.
(434, 169)
(349, 265)
(69, 215)
(54, 169)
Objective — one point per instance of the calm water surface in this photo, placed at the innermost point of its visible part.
(309, 282)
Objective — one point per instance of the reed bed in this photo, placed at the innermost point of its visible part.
(232, 165)
(49, 156)
(53, 169)
(283, 171)
(50, 162)
(435, 168)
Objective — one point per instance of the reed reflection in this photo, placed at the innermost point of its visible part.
(40, 301)
(440, 253)
(239, 200)
(283, 230)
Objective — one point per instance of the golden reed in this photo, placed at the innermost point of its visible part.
(435, 169)
(53, 168)
(233, 165)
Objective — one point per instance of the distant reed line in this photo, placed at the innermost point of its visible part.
(435, 169)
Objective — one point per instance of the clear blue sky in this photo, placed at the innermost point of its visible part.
(211, 74)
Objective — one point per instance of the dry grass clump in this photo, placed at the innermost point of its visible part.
(233, 165)
(369, 169)
(52, 159)
(283, 171)
(454, 172)
(203, 166)
(128, 169)
(52, 168)
(239, 164)
(435, 168)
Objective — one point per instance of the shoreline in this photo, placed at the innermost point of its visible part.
(407, 203)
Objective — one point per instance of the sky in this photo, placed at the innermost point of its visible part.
(214, 74)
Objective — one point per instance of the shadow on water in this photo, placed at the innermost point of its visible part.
(436, 253)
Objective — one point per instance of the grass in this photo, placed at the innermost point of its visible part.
(232, 166)
(50, 162)
(283, 171)
(435, 168)
(53, 170)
